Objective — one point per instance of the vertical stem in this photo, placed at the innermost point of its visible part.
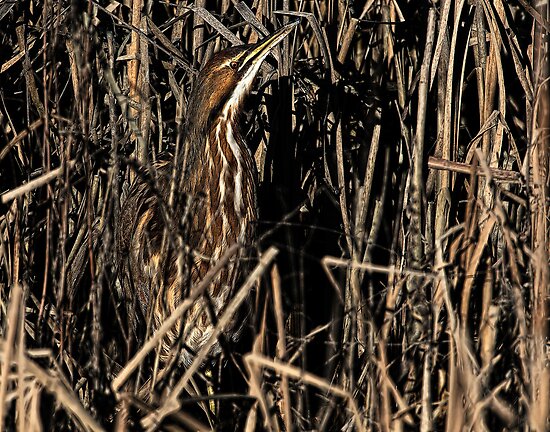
(417, 247)
(16, 295)
(133, 74)
(539, 408)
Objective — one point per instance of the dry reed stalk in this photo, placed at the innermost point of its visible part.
(286, 402)
(297, 373)
(255, 388)
(13, 319)
(539, 408)
(344, 144)
(44, 179)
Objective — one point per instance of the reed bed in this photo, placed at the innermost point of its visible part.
(402, 279)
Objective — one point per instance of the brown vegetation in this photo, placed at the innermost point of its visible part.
(403, 155)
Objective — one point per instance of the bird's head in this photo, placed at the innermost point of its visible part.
(227, 79)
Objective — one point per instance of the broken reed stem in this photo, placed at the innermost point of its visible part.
(310, 379)
(44, 179)
(65, 396)
(506, 176)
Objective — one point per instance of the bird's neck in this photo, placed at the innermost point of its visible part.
(230, 161)
(225, 175)
(218, 144)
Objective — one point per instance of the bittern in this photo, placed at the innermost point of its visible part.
(219, 182)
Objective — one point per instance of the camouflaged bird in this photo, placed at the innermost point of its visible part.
(214, 206)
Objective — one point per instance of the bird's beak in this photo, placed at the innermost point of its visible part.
(259, 52)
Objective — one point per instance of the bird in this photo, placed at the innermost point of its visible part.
(213, 205)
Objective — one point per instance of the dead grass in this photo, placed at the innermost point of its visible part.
(403, 279)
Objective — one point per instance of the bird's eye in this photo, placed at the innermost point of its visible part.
(233, 65)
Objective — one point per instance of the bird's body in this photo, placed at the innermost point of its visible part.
(214, 205)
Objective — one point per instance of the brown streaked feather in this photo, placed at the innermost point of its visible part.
(219, 182)
(142, 228)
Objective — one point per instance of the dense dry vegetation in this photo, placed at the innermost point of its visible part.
(402, 148)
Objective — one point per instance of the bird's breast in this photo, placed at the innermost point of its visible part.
(228, 181)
